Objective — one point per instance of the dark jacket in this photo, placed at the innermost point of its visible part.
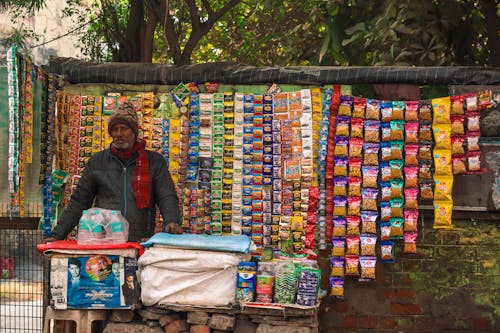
(108, 183)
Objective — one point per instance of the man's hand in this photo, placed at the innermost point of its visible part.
(173, 228)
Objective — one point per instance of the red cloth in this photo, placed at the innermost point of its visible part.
(73, 245)
(142, 179)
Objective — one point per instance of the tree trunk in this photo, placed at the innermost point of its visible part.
(489, 10)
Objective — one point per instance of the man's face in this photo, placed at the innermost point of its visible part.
(74, 270)
(130, 279)
(123, 137)
(116, 269)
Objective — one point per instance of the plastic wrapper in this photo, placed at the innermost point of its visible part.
(410, 245)
(410, 220)
(385, 230)
(353, 223)
(397, 225)
(372, 129)
(385, 171)
(369, 199)
(339, 206)
(443, 214)
(474, 161)
(387, 251)
(425, 111)
(411, 132)
(340, 166)
(345, 107)
(411, 198)
(457, 105)
(352, 243)
(397, 150)
(457, 124)
(367, 265)
(385, 211)
(337, 266)
(342, 128)
(371, 153)
(339, 226)
(309, 279)
(457, 145)
(442, 136)
(459, 165)
(425, 131)
(473, 121)
(442, 163)
(368, 244)
(471, 102)
(385, 191)
(385, 130)
(397, 130)
(369, 222)
(397, 205)
(426, 189)
(355, 147)
(355, 166)
(286, 282)
(443, 186)
(337, 287)
(386, 111)
(354, 186)
(425, 170)
(397, 186)
(396, 168)
(370, 176)
(411, 176)
(340, 186)
(472, 141)
(357, 128)
(338, 246)
(352, 265)
(359, 107)
(353, 206)
(372, 109)
(398, 109)
(411, 110)
(441, 110)
(102, 226)
(341, 146)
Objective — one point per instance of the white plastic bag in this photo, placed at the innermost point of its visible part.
(102, 226)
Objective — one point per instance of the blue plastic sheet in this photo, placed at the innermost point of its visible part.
(202, 242)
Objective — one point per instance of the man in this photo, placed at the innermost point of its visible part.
(74, 270)
(128, 178)
(131, 290)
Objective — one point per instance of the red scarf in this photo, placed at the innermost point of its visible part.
(142, 180)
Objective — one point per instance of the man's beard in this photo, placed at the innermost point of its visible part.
(123, 145)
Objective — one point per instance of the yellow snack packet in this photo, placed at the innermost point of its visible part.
(441, 110)
(442, 136)
(443, 188)
(442, 214)
(442, 162)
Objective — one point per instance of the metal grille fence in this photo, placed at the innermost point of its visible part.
(21, 282)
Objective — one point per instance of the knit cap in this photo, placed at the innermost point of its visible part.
(125, 114)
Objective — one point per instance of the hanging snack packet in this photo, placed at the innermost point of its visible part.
(474, 161)
(385, 211)
(369, 196)
(411, 220)
(368, 244)
(385, 171)
(372, 129)
(411, 110)
(397, 227)
(411, 176)
(353, 206)
(357, 128)
(385, 151)
(425, 111)
(411, 153)
(425, 170)
(457, 105)
(351, 265)
(397, 207)
(398, 110)
(410, 246)
(339, 206)
(369, 221)
(345, 106)
(352, 243)
(353, 223)
(354, 186)
(386, 111)
(338, 246)
(457, 145)
(359, 107)
(387, 251)
(339, 226)
(425, 131)
(385, 230)
(411, 132)
(355, 166)
(370, 176)
(441, 110)
(368, 265)
(337, 285)
(397, 129)
(426, 189)
(443, 186)
(442, 136)
(397, 150)
(442, 214)
(337, 266)
(396, 168)
(385, 190)
(342, 128)
(457, 124)
(340, 186)
(472, 139)
(471, 102)
(484, 99)
(341, 145)
(385, 129)
(371, 153)
(397, 185)
(355, 147)
(458, 164)
(411, 198)
(372, 109)
(340, 166)
(442, 163)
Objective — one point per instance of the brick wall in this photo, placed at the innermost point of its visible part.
(451, 285)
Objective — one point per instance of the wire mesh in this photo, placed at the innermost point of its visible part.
(21, 282)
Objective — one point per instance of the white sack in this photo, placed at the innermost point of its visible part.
(188, 277)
